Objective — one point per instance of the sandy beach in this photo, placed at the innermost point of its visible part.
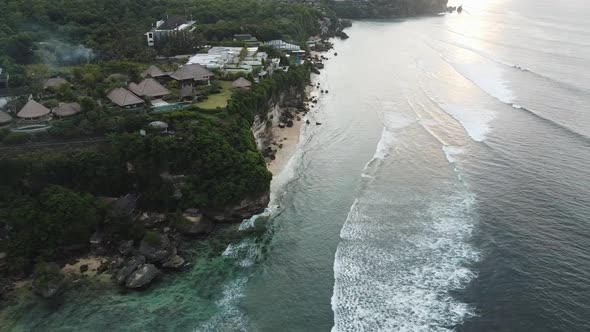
(289, 137)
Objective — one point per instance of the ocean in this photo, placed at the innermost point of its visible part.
(446, 189)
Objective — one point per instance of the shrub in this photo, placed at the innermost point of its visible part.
(3, 133)
(16, 138)
(152, 238)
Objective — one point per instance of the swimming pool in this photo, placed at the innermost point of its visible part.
(171, 107)
(31, 128)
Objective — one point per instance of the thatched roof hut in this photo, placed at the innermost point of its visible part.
(5, 118)
(117, 78)
(124, 98)
(242, 83)
(33, 110)
(153, 71)
(67, 109)
(192, 72)
(149, 87)
(55, 83)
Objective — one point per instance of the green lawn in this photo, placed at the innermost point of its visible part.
(218, 99)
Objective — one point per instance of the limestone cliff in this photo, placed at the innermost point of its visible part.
(280, 110)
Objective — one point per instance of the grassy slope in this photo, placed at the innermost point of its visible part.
(218, 99)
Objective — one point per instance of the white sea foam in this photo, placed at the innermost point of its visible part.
(396, 120)
(475, 120)
(392, 121)
(398, 279)
(229, 316)
(451, 152)
(385, 144)
(252, 222)
(488, 77)
(244, 252)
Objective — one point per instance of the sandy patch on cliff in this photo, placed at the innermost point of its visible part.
(25, 283)
(93, 263)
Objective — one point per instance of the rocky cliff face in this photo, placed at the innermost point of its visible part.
(287, 102)
(244, 210)
(291, 99)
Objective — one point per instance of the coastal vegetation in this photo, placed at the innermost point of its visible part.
(87, 178)
(51, 203)
(74, 32)
(388, 8)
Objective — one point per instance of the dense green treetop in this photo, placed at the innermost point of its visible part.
(388, 8)
(114, 28)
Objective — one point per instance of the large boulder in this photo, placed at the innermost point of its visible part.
(48, 280)
(6, 286)
(151, 220)
(128, 268)
(173, 262)
(193, 223)
(156, 247)
(125, 247)
(142, 276)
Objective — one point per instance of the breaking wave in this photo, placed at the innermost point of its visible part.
(475, 123)
(397, 263)
(389, 279)
(229, 317)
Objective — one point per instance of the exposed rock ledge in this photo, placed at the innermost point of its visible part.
(245, 209)
(288, 103)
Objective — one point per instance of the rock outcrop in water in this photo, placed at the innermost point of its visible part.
(156, 247)
(174, 262)
(138, 271)
(245, 209)
(128, 268)
(142, 276)
(193, 223)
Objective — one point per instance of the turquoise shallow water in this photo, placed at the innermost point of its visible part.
(175, 303)
(446, 189)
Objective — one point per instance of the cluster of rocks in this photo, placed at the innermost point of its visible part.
(322, 46)
(452, 9)
(329, 29)
(317, 61)
(243, 210)
(48, 280)
(137, 266)
(6, 286)
(287, 119)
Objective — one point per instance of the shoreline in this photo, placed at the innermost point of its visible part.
(285, 140)
(288, 138)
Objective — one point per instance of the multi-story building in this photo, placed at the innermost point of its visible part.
(164, 28)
